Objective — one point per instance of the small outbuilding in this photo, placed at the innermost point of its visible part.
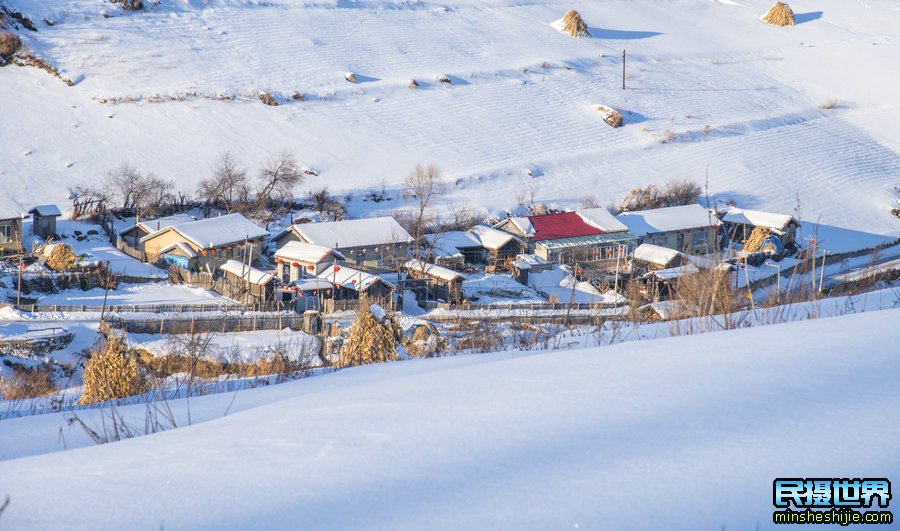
(255, 286)
(434, 282)
(740, 223)
(43, 220)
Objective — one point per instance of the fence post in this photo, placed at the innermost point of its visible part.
(161, 319)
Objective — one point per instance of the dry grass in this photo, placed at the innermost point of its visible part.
(28, 382)
(350, 76)
(829, 104)
(268, 100)
(779, 15)
(412, 83)
(756, 240)
(574, 25)
(112, 372)
(9, 43)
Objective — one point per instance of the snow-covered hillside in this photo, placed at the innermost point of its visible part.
(709, 86)
(681, 433)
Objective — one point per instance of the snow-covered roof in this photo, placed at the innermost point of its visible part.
(758, 218)
(527, 261)
(153, 225)
(181, 246)
(433, 270)
(351, 278)
(451, 242)
(46, 210)
(674, 272)
(255, 276)
(655, 254)
(491, 238)
(354, 232)
(309, 253)
(218, 231)
(9, 207)
(306, 284)
(643, 222)
(523, 224)
(602, 219)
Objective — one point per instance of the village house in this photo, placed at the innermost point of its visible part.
(256, 287)
(206, 244)
(588, 236)
(690, 229)
(351, 284)
(498, 246)
(739, 224)
(43, 220)
(454, 248)
(132, 235)
(433, 282)
(372, 243)
(11, 214)
(298, 260)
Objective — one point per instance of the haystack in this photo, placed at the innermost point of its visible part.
(779, 15)
(350, 76)
(61, 257)
(268, 100)
(756, 240)
(573, 24)
(610, 115)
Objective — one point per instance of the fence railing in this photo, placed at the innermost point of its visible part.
(135, 308)
(221, 323)
(531, 306)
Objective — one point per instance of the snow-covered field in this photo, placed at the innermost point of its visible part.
(710, 87)
(139, 294)
(680, 433)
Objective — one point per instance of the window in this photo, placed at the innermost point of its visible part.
(699, 237)
(5, 233)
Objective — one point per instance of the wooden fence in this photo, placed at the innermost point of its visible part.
(530, 306)
(220, 323)
(136, 308)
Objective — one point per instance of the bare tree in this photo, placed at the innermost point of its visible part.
(278, 179)
(326, 204)
(227, 188)
(424, 184)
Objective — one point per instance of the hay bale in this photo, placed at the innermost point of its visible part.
(610, 115)
(268, 100)
(350, 76)
(413, 83)
(61, 258)
(757, 238)
(573, 24)
(779, 15)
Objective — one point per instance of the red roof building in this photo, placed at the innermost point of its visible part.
(561, 225)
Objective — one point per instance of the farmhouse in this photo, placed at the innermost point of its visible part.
(590, 236)
(689, 228)
(132, 235)
(373, 243)
(434, 281)
(43, 220)
(350, 283)
(298, 260)
(256, 286)
(740, 223)
(454, 248)
(11, 214)
(498, 246)
(206, 244)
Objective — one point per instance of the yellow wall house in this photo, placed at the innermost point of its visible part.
(206, 244)
(11, 214)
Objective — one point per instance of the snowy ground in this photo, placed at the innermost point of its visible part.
(240, 346)
(582, 438)
(711, 88)
(149, 293)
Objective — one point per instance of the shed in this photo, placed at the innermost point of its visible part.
(436, 282)
(259, 284)
(11, 214)
(43, 220)
(740, 222)
(650, 257)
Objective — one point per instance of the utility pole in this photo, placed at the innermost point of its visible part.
(618, 256)
(822, 270)
(623, 69)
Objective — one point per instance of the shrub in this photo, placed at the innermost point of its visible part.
(27, 383)
(676, 192)
(112, 372)
(268, 100)
(10, 43)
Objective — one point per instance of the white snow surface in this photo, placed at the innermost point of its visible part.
(354, 232)
(644, 222)
(252, 274)
(602, 219)
(308, 253)
(490, 238)
(508, 440)
(433, 270)
(221, 230)
(711, 89)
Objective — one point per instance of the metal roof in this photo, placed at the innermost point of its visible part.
(606, 238)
